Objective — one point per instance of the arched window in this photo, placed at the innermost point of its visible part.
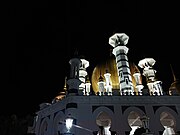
(44, 128)
(58, 124)
(168, 121)
(134, 121)
(104, 122)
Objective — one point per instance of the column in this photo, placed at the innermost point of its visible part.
(119, 41)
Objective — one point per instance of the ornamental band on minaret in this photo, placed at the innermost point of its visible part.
(119, 41)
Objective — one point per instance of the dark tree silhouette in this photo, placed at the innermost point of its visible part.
(12, 125)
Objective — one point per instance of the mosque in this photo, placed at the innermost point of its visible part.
(113, 100)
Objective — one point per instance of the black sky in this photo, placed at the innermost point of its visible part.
(41, 37)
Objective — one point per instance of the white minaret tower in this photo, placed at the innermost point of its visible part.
(137, 77)
(101, 85)
(88, 86)
(83, 74)
(74, 81)
(148, 71)
(108, 83)
(119, 41)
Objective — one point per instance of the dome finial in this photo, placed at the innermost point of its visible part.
(76, 52)
(65, 81)
(174, 77)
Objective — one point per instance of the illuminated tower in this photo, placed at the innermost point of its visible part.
(154, 86)
(74, 81)
(88, 86)
(108, 82)
(101, 84)
(138, 80)
(83, 74)
(119, 41)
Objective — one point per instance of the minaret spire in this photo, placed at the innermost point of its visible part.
(76, 52)
(174, 77)
(65, 84)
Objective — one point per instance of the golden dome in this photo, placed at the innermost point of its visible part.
(110, 65)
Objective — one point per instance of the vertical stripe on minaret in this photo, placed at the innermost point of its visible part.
(83, 74)
(119, 41)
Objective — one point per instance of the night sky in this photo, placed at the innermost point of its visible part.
(42, 36)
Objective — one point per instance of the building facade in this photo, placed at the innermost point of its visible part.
(113, 102)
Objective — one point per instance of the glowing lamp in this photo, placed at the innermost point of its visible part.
(69, 122)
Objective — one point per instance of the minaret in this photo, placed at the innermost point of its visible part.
(138, 80)
(119, 41)
(88, 86)
(108, 83)
(101, 84)
(83, 74)
(74, 81)
(155, 87)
